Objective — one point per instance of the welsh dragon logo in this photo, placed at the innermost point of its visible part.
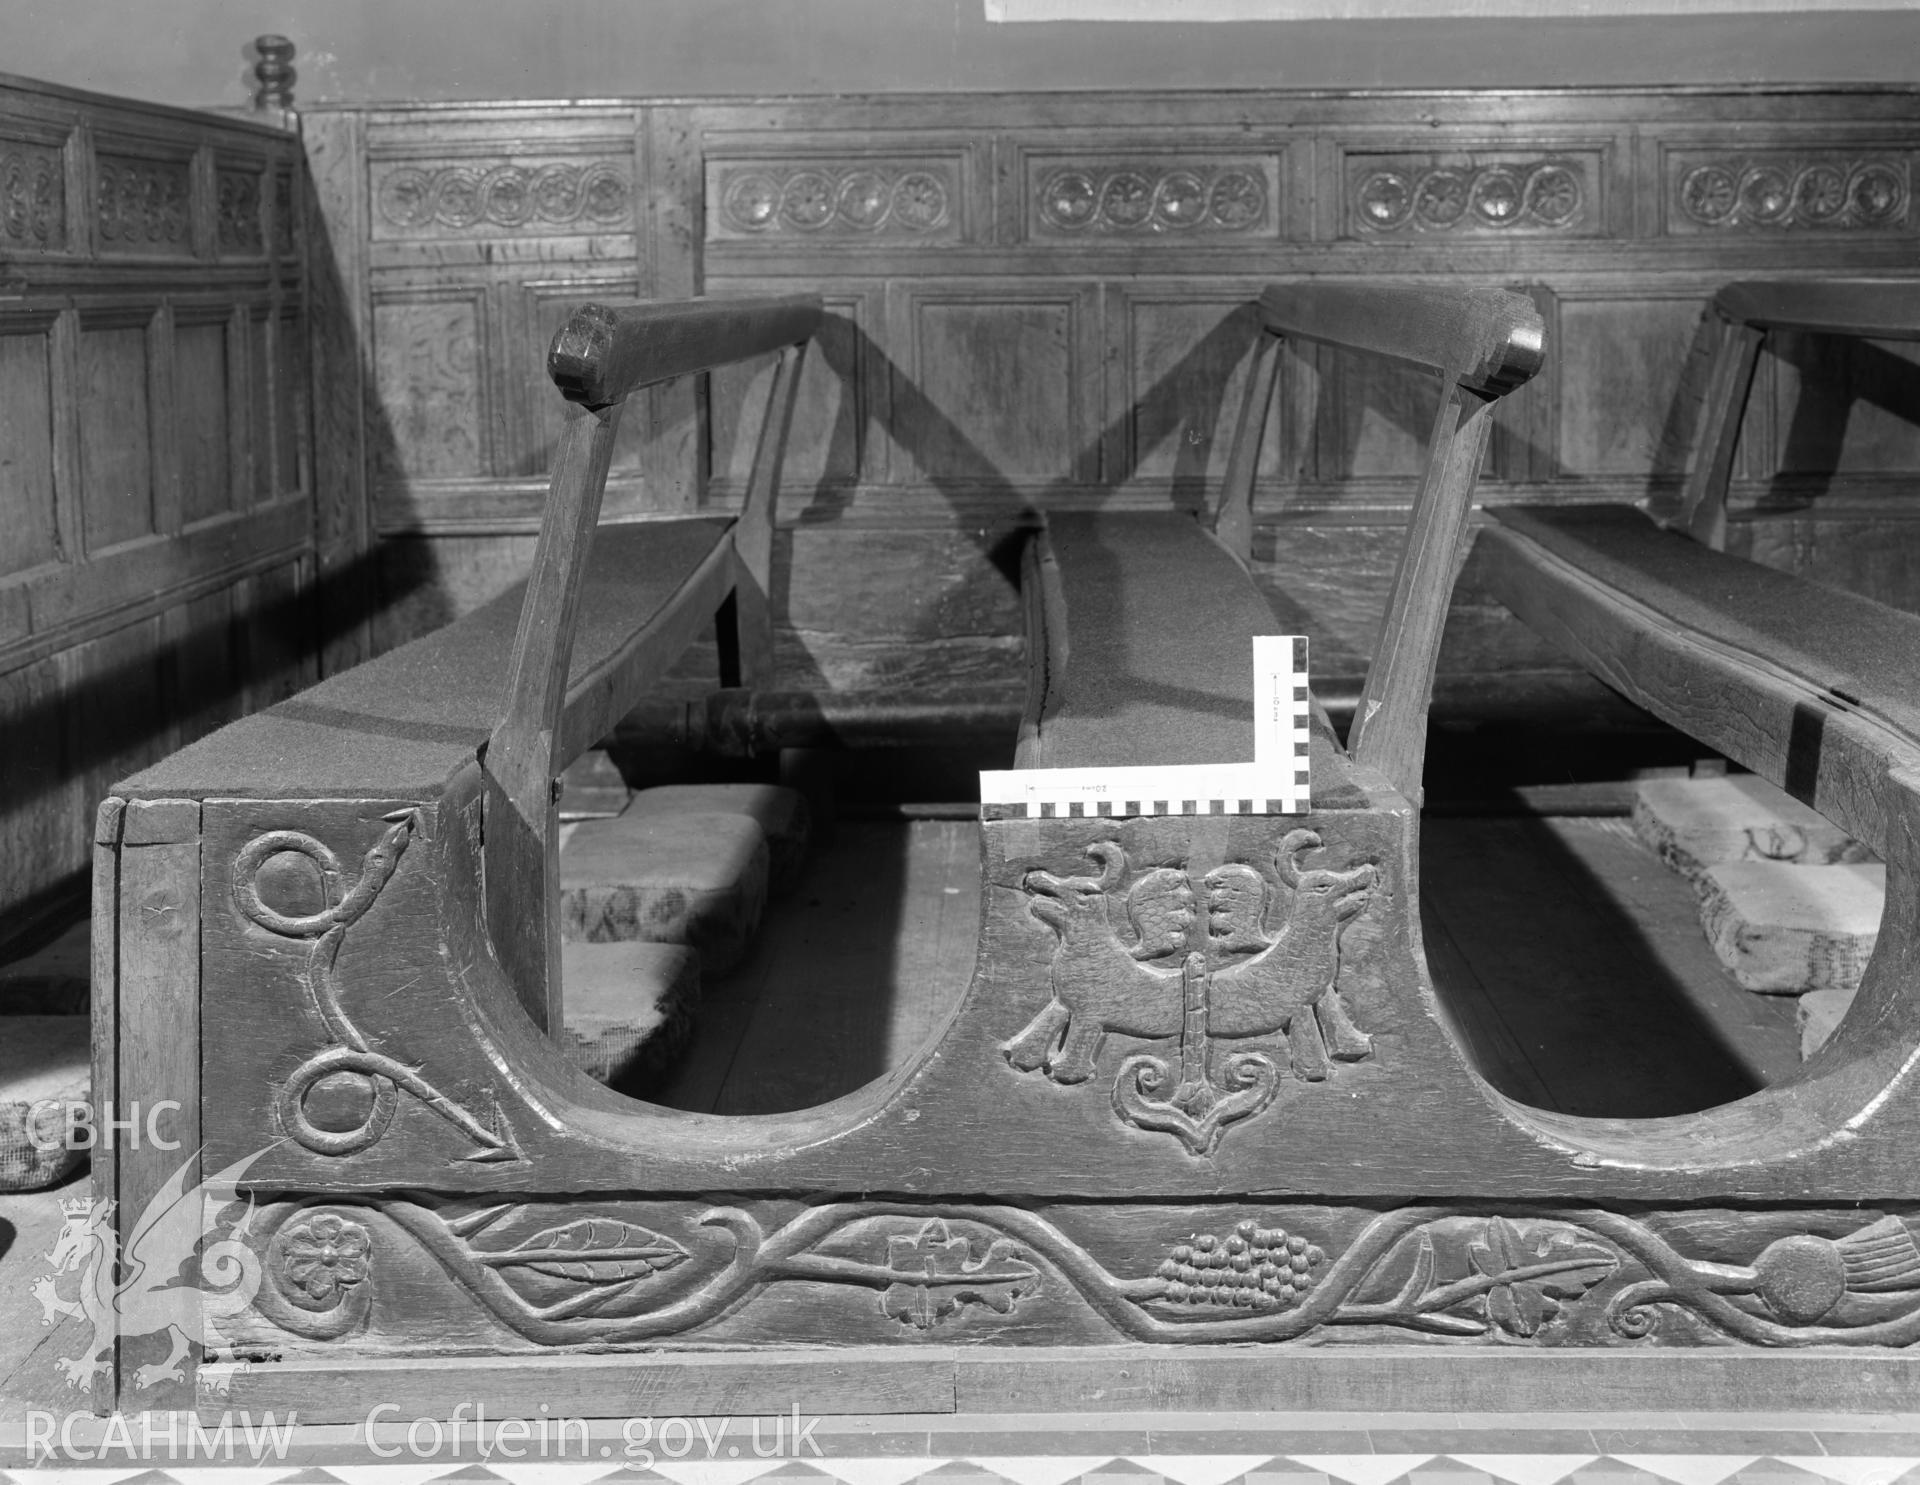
(184, 1227)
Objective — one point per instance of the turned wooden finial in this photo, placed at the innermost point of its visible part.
(274, 74)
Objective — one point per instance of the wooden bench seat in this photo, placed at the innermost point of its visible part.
(1139, 631)
(1813, 687)
(407, 721)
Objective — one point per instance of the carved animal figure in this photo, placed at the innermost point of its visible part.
(1289, 986)
(1099, 984)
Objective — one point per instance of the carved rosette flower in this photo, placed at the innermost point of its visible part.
(1496, 197)
(1553, 197)
(752, 201)
(1440, 198)
(459, 200)
(1384, 199)
(1766, 195)
(1181, 200)
(1127, 199)
(1820, 193)
(605, 195)
(1070, 199)
(863, 200)
(507, 196)
(1877, 193)
(555, 193)
(324, 1255)
(807, 201)
(1238, 200)
(919, 201)
(406, 197)
(1710, 194)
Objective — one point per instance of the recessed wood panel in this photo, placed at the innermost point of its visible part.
(522, 196)
(427, 366)
(1622, 363)
(1734, 191)
(116, 435)
(1845, 406)
(1131, 196)
(1373, 417)
(202, 430)
(992, 393)
(33, 196)
(29, 534)
(144, 206)
(829, 412)
(1189, 360)
(868, 198)
(259, 409)
(289, 406)
(1501, 192)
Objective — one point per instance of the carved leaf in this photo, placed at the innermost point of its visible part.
(1535, 1278)
(938, 1275)
(592, 1250)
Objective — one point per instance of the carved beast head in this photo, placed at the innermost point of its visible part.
(1346, 893)
(1055, 901)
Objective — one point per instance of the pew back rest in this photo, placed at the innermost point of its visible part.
(1814, 688)
(1483, 343)
(1138, 622)
(1740, 318)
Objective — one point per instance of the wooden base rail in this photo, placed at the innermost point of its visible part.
(1200, 1092)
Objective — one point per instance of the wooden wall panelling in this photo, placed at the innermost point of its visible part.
(838, 408)
(204, 379)
(115, 404)
(997, 387)
(1016, 308)
(1485, 188)
(136, 275)
(1628, 379)
(669, 249)
(1175, 345)
(29, 362)
(1202, 194)
(334, 200)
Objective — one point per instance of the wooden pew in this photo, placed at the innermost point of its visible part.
(1201, 1090)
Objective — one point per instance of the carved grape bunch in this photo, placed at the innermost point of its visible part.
(1266, 1269)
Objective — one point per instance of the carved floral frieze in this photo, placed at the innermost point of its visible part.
(33, 198)
(142, 205)
(485, 197)
(237, 211)
(625, 1273)
(1409, 197)
(1774, 192)
(1148, 199)
(870, 199)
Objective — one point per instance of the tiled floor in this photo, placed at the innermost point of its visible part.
(1028, 1449)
